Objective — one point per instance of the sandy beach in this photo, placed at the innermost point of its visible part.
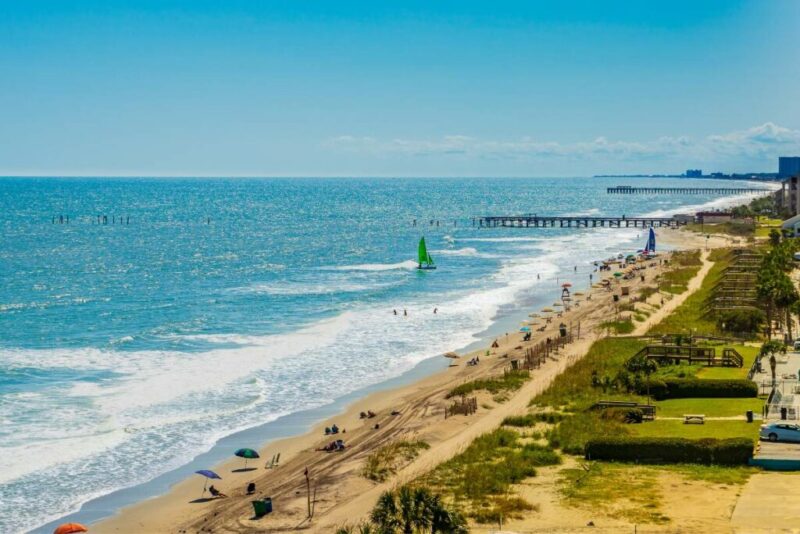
(343, 495)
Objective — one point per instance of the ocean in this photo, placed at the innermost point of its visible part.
(208, 306)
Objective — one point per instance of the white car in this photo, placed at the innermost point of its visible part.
(780, 432)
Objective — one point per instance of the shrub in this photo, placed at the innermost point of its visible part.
(619, 327)
(520, 420)
(683, 388)
(383, 463)
(572, 434)
(510, 381)
(732, 451)
(623, 415)
(749, 321)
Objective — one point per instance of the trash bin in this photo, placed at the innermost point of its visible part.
(262, 507)
(563, 331)
(616, 298)
(783, 413)
(749, 415)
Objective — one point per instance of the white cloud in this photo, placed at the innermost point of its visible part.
(760, 142)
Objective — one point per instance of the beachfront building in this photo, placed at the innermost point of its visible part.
(714, 217)
(791, 226)
(694, 173)
(788, 166)
(789, 196)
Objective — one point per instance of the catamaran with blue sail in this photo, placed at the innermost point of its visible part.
(425, 260)
(650, 248)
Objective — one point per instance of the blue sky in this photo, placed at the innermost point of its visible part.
(233, 88)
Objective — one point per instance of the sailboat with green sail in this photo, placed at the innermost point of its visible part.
(425, 261)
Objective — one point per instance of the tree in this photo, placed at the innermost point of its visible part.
(415, 510)
(770, 348)
(774, 237)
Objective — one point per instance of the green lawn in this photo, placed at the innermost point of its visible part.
(711, 429)
(684, 370)
(709, 407)
(748, 353)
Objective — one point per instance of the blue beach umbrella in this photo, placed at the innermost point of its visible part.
(247, 454)
(208, 474)
(525, 329)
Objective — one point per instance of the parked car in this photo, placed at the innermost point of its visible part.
(780, 432)
(797, 345)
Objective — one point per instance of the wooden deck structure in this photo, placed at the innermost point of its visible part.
(691, 354)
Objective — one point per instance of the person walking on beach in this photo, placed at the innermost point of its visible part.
(405, 313)
(434, 310)
(395, 311)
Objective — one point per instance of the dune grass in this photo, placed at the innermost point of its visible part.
(510, 381)
(573, 389)
(384, 462)
(692, 315)
(480, 478)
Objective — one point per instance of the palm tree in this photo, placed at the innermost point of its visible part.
(385, 513)
(413, 511)
(770, 348)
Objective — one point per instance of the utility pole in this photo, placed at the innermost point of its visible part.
(308, 492)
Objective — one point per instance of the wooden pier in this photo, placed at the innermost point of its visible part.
(539, 221)
(630, 190)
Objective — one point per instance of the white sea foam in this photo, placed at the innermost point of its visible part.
(406, 265)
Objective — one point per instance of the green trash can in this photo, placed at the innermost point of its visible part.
(262, 507)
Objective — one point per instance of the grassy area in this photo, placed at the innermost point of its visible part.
(384, 462)
(727, 228)
(480, 478)
(510, 381)
(617, 490)
(676, 280)
(691, 315)
(573, 390)
(711, 429)
(618, 327)
(632, 492)
(748, 353)
(710, 407)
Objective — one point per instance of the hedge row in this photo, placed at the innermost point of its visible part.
(683, 388)
(734, 451)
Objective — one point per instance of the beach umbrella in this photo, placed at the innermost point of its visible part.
(208, 474)
(557, 304)
(70, 528)
(525, 329)
(617, 274)
(247, 454)
(534, 315)
(547, 310)
(566, 284)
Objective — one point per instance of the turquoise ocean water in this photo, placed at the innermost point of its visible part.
(127, 349)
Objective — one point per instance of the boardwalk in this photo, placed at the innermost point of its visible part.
(537, 221)
(629, 190)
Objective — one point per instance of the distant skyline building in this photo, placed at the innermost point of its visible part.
(788, 166)
(694, 173)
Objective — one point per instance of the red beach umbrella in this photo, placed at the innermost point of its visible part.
(70, 528)
(566, 284)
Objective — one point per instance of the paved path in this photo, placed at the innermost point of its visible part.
(770, 502)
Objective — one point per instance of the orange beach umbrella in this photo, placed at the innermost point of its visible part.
(70, 528)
